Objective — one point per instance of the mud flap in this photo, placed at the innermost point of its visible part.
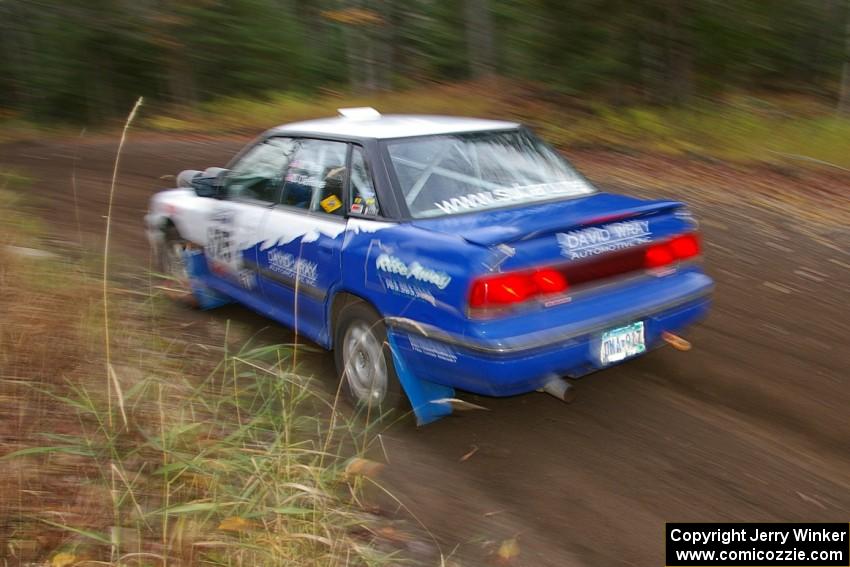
(421, 393)
(197, 270)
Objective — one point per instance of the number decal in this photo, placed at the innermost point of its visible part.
(220, 244)
(222, 249)
(224, 256)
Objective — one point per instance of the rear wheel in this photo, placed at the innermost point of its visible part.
(364, 359)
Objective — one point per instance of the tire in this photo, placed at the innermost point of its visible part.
(172, 264)
(364, 360)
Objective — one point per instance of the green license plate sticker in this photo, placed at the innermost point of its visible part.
(621, 343)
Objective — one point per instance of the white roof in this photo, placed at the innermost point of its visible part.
(393, 126)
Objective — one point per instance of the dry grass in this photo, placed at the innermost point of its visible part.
(226, 455)
(38, 349)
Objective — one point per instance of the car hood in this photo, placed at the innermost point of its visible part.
(489, 228)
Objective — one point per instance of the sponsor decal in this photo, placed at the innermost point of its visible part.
(506, 195)
(330, 203)
(410, 290)
(371, 206)
(588, 242)
(557, 301)
(432, 348)
(306, 179)
(414, 270)
(285, 227)
(364, 206)
(288, 265)
(247, 279)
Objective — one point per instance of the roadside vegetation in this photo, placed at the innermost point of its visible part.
(743, 80)
(741, 128)
(180, 448)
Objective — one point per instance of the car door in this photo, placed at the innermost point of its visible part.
(301, 237)
(250, 188)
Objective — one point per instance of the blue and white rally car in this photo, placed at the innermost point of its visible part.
(433, 253)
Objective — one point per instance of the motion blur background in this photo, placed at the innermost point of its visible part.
(201, 444)
(87, 60)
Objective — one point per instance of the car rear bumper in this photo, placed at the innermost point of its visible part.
(517, 364)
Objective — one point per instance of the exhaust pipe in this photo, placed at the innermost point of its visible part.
(676, 341)
(560, 388)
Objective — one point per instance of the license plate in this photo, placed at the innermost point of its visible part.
(621, 343)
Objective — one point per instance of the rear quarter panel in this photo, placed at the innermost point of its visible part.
(406, 271)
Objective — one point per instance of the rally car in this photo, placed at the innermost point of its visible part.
(433, 253)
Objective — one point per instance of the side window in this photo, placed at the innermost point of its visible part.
(315, 176)
(362, 194)
(258, 175)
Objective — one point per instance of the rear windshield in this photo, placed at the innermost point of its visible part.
(457, 173)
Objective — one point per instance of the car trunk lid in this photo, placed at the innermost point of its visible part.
(544, 253)
(520, 224)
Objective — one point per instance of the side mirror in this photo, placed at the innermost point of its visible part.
(185, 177)
(207, 183)
(205, 186)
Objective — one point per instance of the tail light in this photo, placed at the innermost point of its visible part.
(685, 246)
(504, 290)
(678, 248)
(516, 287)
(549, 281)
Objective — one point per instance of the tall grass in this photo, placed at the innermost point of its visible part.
(232, 470)
(212, 453)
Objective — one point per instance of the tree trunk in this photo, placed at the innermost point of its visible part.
(9, 54)
(386, 41)
(181, 82)
(312, 29)
(844, 96)
(360, 40)
(479, 37)
(352, 58)
(679, 52)
(370, 67)
(19, 46)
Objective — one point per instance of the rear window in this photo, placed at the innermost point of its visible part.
(458, 173)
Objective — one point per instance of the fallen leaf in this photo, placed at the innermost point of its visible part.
(469, 454)
(458, 404)
(509, 549)
(63, 560)
(778, 287)
(392, 534)
(810, 500)
(363, 467)
(235, 524)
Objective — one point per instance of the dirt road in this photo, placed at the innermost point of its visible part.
(751, 425)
